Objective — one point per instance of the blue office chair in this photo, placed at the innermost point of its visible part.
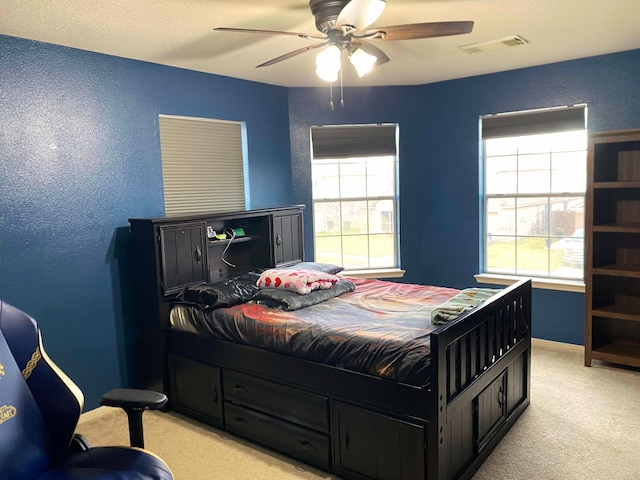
(39, 410)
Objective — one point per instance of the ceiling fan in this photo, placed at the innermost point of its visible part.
(343, 27)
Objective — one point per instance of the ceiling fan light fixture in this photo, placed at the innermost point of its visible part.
(328, 63)
(327, 75)
(362, 61)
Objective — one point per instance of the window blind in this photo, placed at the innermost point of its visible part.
(534, 122)
(343, 141)
(202, 165)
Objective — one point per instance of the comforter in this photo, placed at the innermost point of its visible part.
(380, 328)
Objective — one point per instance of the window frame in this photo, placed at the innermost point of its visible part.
(519, 124)
(338, 143)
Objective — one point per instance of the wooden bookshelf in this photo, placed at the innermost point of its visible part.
(612, 248)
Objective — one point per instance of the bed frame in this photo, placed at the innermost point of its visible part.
(352, 424)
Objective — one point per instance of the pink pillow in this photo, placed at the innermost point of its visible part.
(296, 280)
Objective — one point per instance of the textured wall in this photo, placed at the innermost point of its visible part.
(79, 155)
(439, 146)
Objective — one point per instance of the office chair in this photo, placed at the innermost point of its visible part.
(39, 411)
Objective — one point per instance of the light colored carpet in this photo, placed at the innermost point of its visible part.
(583, 424)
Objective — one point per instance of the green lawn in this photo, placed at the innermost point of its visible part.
(532, 255)
(355, 248)
(532, 252)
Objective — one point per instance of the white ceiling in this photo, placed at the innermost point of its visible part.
(179, 33)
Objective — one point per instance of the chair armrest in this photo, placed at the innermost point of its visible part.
(134, 402)
(129, 398)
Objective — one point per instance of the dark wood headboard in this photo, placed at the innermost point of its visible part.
(171, 253)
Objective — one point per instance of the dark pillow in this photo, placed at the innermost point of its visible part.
(225, 293)
(319, 267)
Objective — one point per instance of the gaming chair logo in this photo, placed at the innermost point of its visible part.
(7, 412)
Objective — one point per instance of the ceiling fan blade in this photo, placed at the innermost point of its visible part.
(272, 32)
(418, 30)
(371, 50)
(360, 13)
(287, 56)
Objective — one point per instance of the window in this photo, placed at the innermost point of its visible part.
(354, 172)
(535, 166)
(203, 165)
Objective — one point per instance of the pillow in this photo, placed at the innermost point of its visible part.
(318, 267)
(296, 280)
(225, 293)
(286, 300)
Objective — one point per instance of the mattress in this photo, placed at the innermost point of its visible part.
(381, 328)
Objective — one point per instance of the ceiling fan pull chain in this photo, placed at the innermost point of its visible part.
(341, 91)
(331, 95)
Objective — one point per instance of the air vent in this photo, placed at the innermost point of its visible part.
(483, 47)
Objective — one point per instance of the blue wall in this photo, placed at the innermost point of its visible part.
(439, 146)
(79, 156)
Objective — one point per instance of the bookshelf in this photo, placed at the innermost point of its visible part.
(612, 236)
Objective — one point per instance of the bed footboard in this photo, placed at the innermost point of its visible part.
(480, 364)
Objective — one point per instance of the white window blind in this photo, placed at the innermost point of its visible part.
(202, 165)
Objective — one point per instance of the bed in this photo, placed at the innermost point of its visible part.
(417, 401)
(378, 335)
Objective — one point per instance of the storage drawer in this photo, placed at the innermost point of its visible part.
(373, 445)
(309, 446)
(278, 400)
(195, 389)
(491, 410)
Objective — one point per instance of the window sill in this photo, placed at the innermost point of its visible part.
(381, 273)
(543, 283)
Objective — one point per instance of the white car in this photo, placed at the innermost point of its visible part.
(573, 255)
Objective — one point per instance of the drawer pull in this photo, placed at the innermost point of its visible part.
(239, 388)
(307, 445)
(240, 419)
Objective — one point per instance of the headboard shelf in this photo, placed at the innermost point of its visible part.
(227, 241)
